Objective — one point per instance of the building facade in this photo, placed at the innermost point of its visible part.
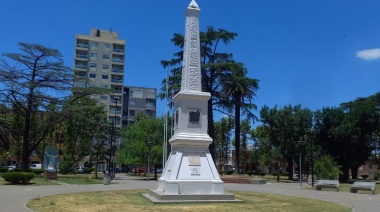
(138, 100)
(99, 62)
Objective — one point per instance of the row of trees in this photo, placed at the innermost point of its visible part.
(348, 133)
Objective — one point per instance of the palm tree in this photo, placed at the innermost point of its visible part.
(238, 88)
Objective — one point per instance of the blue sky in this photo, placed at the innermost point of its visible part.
(315, 53)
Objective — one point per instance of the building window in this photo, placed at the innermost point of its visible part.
(104, 86)
(105, 66)
(106, 46)
(94, 54)
(104, 76)
(103, 97)
(106, 56)
(95, 45)
(93, 65)
(132, 112)
(132, 102)
(92, 75)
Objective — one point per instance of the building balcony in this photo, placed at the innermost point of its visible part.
(117, 112)
(82, 45)
(118, 71)
(117, 60)
(81, 56)
(81, 66)
(116, 80)
(118, 51)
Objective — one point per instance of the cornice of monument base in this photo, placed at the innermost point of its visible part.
(191, 95)
(190, 139)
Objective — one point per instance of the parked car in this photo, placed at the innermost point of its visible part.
(79, 170)
(10, 168)
(141, 170)
(36, 166)
(117, 170)
(125, 170)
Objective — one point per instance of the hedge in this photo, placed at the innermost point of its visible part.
(88, 170)
(285, 174)
(18, 177)
(2, 170)
(37, 171)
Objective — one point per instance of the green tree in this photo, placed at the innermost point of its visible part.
(245, 156)
(326, 168)
(135, 141)
(345, 133)
(285, 127)
(216, 68)
(30, 78)
(87, 126)
(222, 140)
(264, 153)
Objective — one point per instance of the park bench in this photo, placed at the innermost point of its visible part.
(367, 186)
(327, 184)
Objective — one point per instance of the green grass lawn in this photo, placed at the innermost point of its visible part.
(133, 200)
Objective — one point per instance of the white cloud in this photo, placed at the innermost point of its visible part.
(369, 54)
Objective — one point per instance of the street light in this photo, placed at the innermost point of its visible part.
(312, 160)
(149, 145)
(113, 137)
(300, 165)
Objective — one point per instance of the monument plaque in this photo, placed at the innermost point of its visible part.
(194, 117)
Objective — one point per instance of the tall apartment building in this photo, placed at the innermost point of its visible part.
(137, 100)
(99, 62)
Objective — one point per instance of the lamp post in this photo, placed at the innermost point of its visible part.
(149, 145)
(113, 137)
(300, 163)
(312, 161)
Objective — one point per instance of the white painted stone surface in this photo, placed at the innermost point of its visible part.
(190, 168)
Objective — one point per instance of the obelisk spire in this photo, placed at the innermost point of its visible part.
(191, 66)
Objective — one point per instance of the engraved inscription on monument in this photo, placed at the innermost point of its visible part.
(195, 171)
(194, 117)
(194, 161)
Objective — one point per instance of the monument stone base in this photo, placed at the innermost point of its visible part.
(160, 197)
(50, 175)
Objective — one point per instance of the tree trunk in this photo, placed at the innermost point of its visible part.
(290, 168)
(211, 128)
(96, 167)
(25, 143)
(354, 172)
(237, 135)
(345, 176)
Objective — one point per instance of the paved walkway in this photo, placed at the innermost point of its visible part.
(14, 198)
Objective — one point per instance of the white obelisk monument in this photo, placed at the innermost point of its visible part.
(190, 173)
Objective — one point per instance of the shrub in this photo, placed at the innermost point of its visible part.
(66, 166)
(376, 177)
(248, 173)
(18, 177)
(37, 171)
(262, 174)
(3, 170)
(88, 170)
(221, 172)
(229, 172)
(274, 174)
(16, 170)
(285, 174)
(326, 168)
